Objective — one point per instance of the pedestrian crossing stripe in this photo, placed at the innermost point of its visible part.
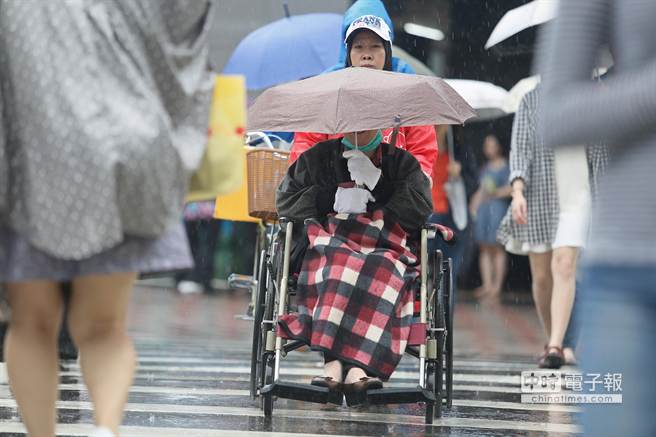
(235, 371)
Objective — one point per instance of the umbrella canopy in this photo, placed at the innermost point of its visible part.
(517, 93)
(523, 17)
(356, 99)
(284, 50)
(486, 98)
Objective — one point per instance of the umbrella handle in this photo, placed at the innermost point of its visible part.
(395, 133)
(450, 143)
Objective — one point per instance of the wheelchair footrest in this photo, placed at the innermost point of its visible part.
(301, 392)
(400, 396)
(241, 281)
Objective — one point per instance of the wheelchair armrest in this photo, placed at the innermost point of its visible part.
(282, 221)
(444, 232)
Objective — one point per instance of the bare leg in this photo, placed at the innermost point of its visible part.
(500, 265)
(563, 267)
(542, 285)
(31, 351)
(486, 268)
(354, 375)
(333, 369)
(97, 321)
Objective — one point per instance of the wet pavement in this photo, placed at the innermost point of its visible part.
(194, 361)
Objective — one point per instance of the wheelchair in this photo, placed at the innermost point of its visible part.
(431, 334)
(236, 206)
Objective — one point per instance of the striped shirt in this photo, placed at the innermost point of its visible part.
(620, 111)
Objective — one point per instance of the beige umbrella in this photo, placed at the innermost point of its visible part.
(356, 99)
(485, 97)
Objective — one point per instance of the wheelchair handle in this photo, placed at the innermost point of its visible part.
(444, 232)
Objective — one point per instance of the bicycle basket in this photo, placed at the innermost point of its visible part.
(266, 169)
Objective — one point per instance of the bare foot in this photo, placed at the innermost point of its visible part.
(490, 302)
(481, 291)
(570, 357)
(495, 290)
(354, 375)
(491, 295)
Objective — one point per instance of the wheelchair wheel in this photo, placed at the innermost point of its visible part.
(272, 269)
(433, 381)
(449, 303)
(258, 335)
(266, 355)
(434, 368)
(267, 398)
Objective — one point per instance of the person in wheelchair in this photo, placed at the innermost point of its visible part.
(363, 207)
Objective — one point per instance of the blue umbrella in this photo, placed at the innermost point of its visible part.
(288, 49)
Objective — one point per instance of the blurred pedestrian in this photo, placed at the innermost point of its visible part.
(574, 202)
(488, 206)
(461, 164)
(618, 301)
(529, 226)
(202, 232)
(536, 225)
(104, 115)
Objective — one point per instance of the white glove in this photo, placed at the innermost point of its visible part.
(352, 200)
(362, 170)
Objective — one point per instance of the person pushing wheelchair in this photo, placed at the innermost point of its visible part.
(356, 285)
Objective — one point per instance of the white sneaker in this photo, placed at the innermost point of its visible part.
(189, 287)
(101, 431)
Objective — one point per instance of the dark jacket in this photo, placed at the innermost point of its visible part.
(308, 189)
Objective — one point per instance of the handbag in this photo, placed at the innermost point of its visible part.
(455, 191)
(221, 168)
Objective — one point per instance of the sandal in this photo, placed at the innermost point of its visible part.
(327, 382)
(356, 393)
(335, 388)
(552, 358)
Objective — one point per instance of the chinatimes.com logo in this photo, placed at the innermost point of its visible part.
(555, 387)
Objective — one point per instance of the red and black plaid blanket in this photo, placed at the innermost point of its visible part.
(355, 291)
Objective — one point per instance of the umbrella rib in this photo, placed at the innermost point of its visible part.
(337, 99)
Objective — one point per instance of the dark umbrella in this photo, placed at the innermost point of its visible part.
(358, 99)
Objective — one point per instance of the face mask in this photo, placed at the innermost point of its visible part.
(375, 142)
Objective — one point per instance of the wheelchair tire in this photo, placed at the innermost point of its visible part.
(433, 381)
(434, 368)
(267, 398)
(272, 267)
(258, 335)
(449, 308)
